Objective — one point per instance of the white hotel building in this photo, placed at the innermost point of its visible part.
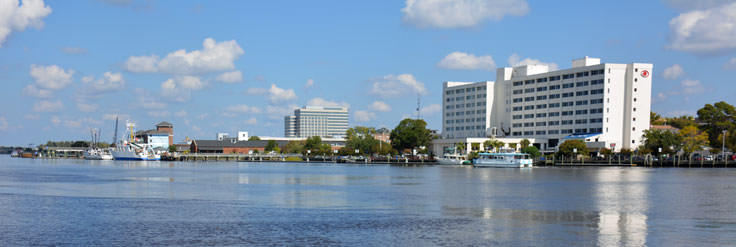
(605, 104)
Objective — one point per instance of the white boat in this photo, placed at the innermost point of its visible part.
(133, 151)
(512, 160)
(129, 150)
(97, 154)
(453, 159)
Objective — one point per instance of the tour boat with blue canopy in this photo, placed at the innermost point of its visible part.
(512, 160)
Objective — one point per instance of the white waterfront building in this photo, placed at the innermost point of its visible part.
(605, 104)
(308, 121)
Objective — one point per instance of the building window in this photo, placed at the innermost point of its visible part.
(581, 84)
(554, 78)
(541, 89)
(596, 82)
(528, 99)
(542, 97)
(529, 90)
(542, 106)
(568, 85)
(518, 91)
(517, 100)
(527, 82)
(554, 87)
(581, 102)
(596, 101)
(542, 80)
(554, 114)
(541, 132)
(554, 105)
(568, 76)
(597, 91)
(581, 93)
(528, 116)
(529, 107)
(566, 95)
(541, 115)
(528, 124)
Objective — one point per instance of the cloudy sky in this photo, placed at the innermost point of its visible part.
(224, 66)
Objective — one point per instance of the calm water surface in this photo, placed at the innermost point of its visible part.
(84, 203)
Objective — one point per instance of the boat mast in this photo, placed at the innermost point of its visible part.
(115, 136)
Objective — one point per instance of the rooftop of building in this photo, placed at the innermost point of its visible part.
(164, 124)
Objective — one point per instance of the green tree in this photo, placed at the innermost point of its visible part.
(656, 119)
(313, 143)
(80, 144)
(497, 145)
(487, 145)
(531, 151)
(730, 140)
(669, 141)
(410, 133)
(475, 146)
(524, 143)
(460, 146)
(606, 152)
(513, 145)
(681, 121)
(384, 148)
(294, 147)
(567, 148)
(361, 138)
(172, 149)
(693, 139)
(254, 138)
(271, 146)
(716, 118)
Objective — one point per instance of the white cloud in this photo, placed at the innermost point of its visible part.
(3, 123)
(107, 83)
(731, 64)
(673, 72)
(392, 86)
(181, 113)
(158, 114)
(251, 121)
(76, 123)
(326, 103)
(277, 94)
(515, 60)
(310, 83)
(278, 112)
(430, 110)
(705, 31)
(460, 60)
(113, 116)
(213, 57)
(380, 106)
(73, 50)
(692, 87)
(51, 77)
(692, 5)
(180, 88)
(460, 13)
(17, 17)
(256, 91)
(230, 77)
(33, 91)
(364, 116)
(48, 106)
(86, 107)
(244, 109)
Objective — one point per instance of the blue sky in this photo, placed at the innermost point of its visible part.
(224, 66)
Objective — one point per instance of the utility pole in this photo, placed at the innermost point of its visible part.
(419, 107)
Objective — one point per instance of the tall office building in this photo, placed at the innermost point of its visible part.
(319, 121)
(605, 104)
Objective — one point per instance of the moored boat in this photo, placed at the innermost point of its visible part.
(510, 160)
(453, 159)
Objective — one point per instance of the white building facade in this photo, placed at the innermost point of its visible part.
(319, 121)
(606, 104)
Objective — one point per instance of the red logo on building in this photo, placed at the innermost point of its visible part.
(645, 73)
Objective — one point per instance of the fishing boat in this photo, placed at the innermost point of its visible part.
(129, 150)
(511, 160)
(453, 159)
(95, 152)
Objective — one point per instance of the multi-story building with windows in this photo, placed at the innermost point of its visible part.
(605, 104)
(319, 121)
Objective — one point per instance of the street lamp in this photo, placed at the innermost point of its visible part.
(723, 148)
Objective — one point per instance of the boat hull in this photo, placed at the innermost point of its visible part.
(128, 155)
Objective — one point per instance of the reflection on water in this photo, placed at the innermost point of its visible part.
(74, 202)
(622, 202)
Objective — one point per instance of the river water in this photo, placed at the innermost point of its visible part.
(87, 203)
